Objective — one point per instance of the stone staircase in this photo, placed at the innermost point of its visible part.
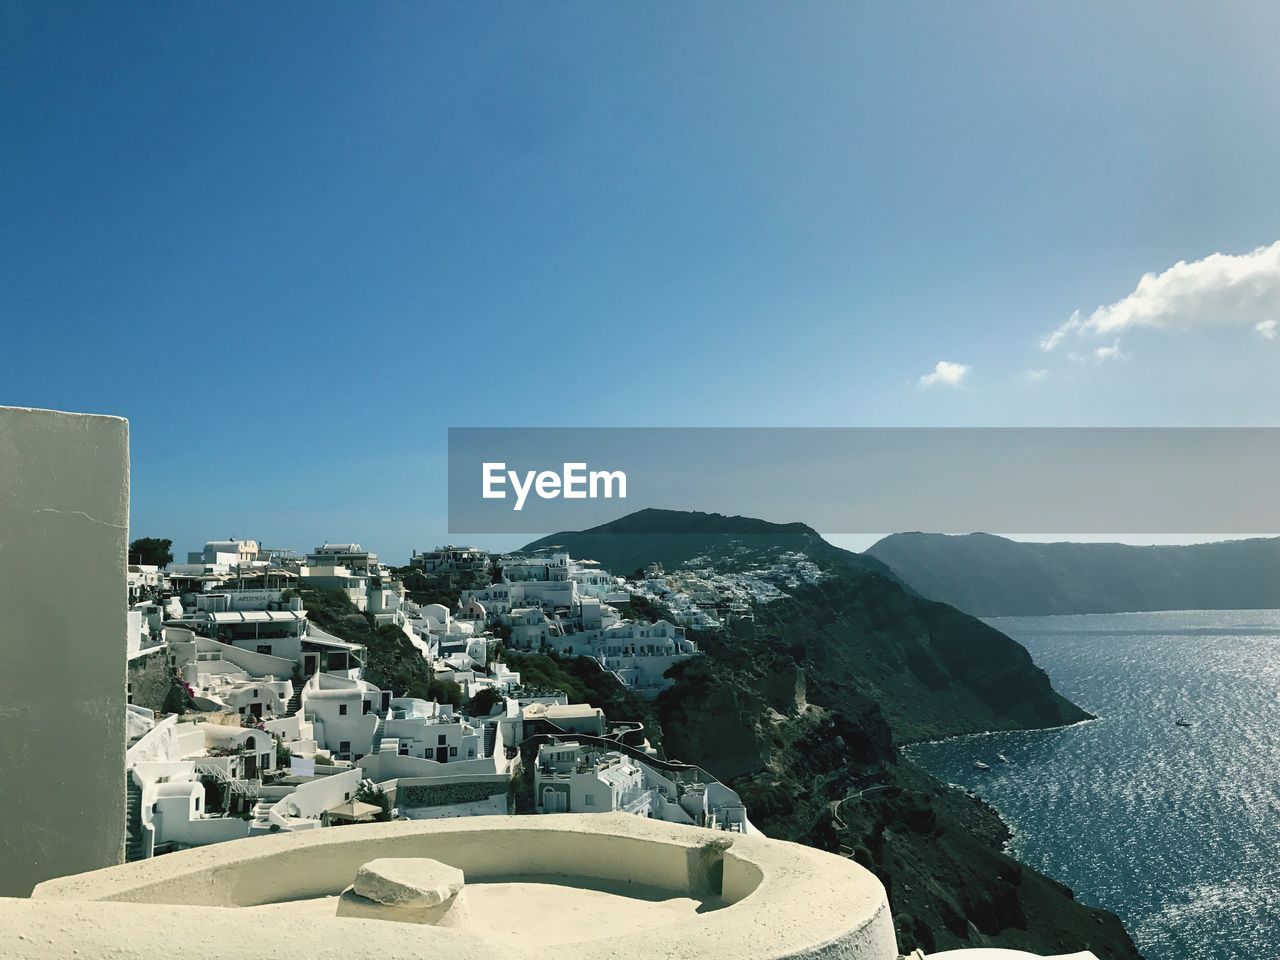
(376, 746)
(260, 812)
(135, 845)
(490, 738)
(295, 702)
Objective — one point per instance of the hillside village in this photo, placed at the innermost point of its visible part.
(251, 712)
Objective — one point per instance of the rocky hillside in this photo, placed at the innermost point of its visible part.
(676, 538)
(933, 670)
(991, 576)
(802, 710)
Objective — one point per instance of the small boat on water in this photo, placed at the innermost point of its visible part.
(1181, 723)
(1002, 758)
(979, 765)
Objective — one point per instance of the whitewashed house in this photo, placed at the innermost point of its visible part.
(431, 731)
(570, 778)
(343, 713)
(584, 778)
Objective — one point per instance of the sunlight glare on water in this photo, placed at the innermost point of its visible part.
(1175, 828)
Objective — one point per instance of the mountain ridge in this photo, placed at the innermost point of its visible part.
(801, 710)
(674, 537)
(992, 576)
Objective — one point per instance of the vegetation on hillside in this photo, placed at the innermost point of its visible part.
(830, 776)
(443, 587)
(583, 680)
(393, 662)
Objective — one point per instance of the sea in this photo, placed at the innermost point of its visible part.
(1175, 828)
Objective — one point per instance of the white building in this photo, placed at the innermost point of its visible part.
(450, 559)
(343, 713)
(583, 778)
(225, 552)
(166, 796)
(570, 778)
(430, 731)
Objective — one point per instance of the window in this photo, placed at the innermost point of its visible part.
(589, 800)
(342, 709)
(442, 740)
(453, 751)
(264, 648)
(344, 746)
(197, 804)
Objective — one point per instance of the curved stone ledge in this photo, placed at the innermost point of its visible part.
(758, 898)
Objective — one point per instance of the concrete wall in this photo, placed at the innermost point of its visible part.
(783, 901)
(64, 526)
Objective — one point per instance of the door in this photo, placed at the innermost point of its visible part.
(250, 767)
(442, 754)
(310, 663)
(256, 710)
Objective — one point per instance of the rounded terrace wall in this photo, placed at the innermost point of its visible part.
(760, 898)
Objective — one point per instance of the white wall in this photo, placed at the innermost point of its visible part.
(64, 506)
(313, 798)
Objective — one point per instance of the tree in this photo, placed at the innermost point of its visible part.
(151, 551)
(374, 794)
(484, 701)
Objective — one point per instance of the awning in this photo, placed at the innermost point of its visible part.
(354, 810)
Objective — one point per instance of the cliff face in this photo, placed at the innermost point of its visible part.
(833, 782)
(933, 670)
(990, 576)
(815, 761)
(800, 712)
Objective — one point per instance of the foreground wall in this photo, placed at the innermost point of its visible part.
(64, 515)
(760, 899)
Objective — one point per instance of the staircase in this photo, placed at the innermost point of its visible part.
(248, 789)
(295, 702)
(376, 746)
(261, 809)
(490, 738)
(135, 846)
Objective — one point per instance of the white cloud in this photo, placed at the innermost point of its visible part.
(1222, 290)
(1108, 353)
(1098, 354)
(946, 373)
(1035, 376)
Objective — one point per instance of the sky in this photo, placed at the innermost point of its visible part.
(294, 244)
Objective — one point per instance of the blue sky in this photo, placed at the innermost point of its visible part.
(293, 245)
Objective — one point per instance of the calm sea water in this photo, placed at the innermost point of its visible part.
(1176, 829)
